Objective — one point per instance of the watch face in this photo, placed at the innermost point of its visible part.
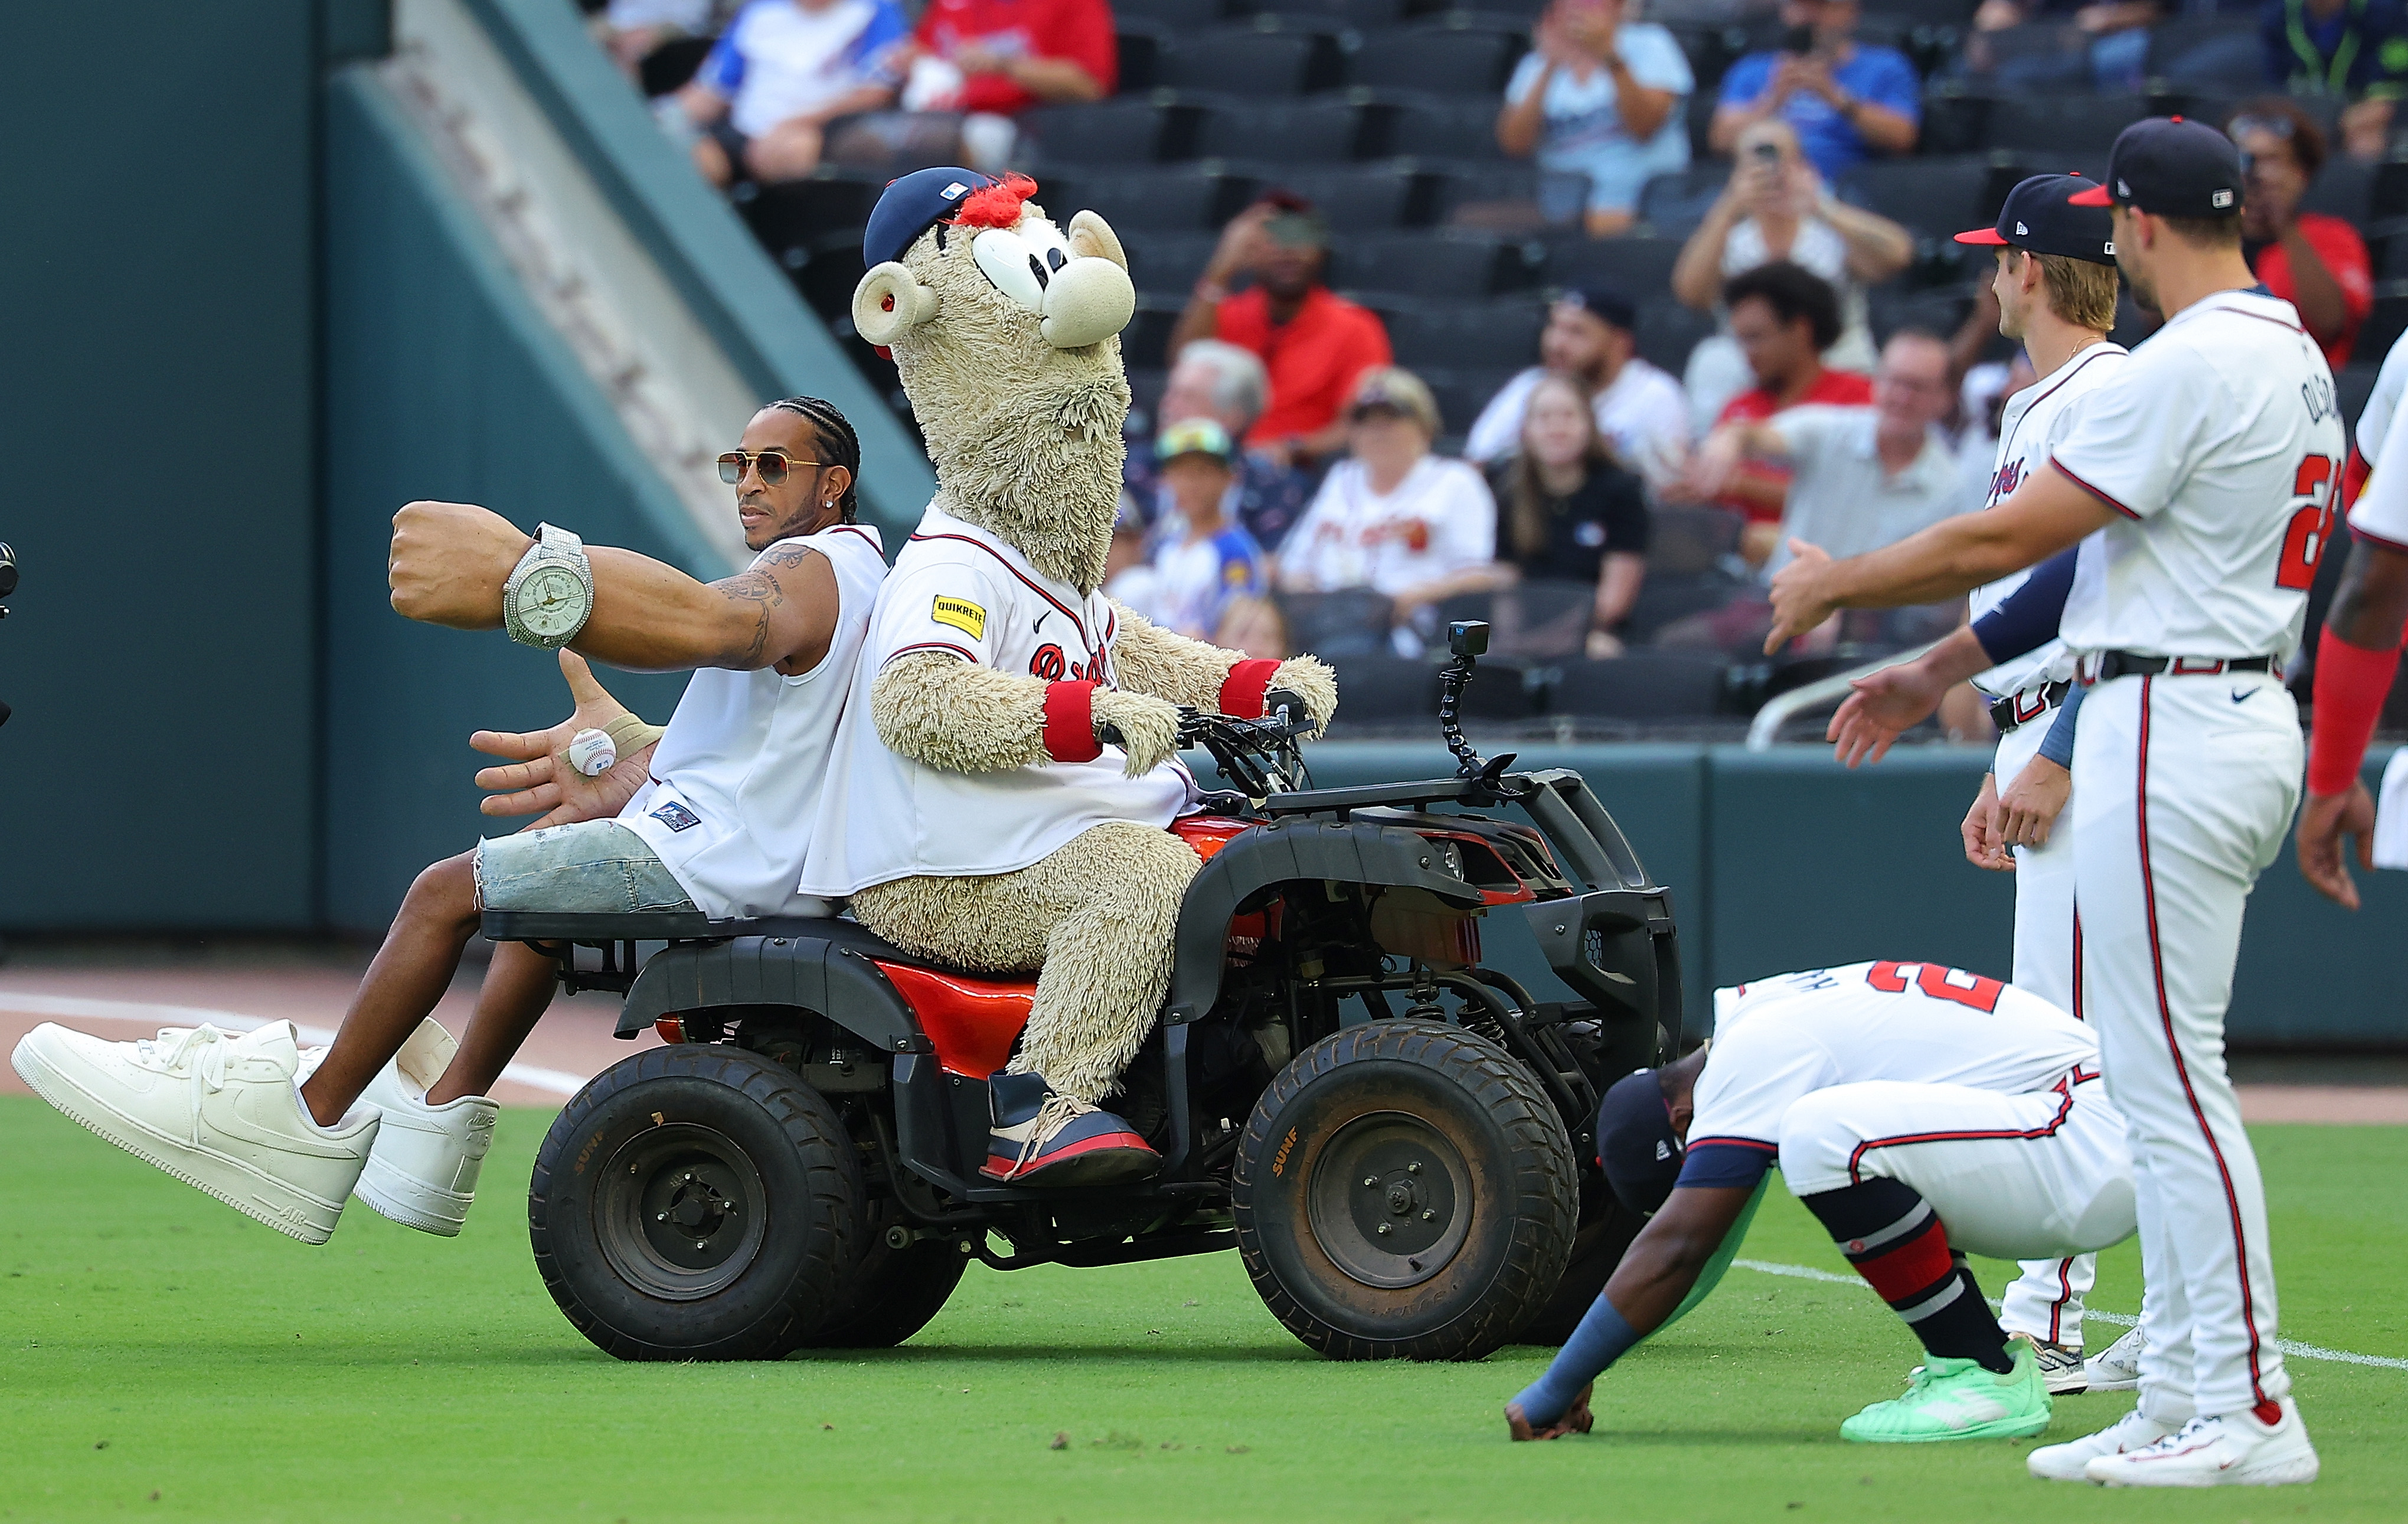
(551, 602)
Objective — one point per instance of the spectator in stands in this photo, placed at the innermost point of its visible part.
(1207, 558)
(2103, 44)
(1776, 207)
(1862, 478)
(2356, 49)
(1393, 517)
(780, 72)
(631, 30)
(1848, 101)
(1228, 385)
(1570, 510)
(1316, 345)
(2317, 263)
(1601, 97)
(995, 59)
(1593, 334)
(1782, 319)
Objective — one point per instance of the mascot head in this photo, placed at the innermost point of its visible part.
(1005, 329)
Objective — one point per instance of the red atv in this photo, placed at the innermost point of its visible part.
(1396, 1139)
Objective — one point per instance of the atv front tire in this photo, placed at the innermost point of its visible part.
(1404, 1189)
(696, 1202)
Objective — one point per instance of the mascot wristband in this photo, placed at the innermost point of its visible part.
(1242, 690)
(1070, 722)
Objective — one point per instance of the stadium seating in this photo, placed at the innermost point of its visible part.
(1642, 684)
(1464, 54)
(1291, 132)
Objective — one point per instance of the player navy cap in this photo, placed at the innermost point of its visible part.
(2170, 167)
(910, 206)
(2041, 216)
(1635, 1144)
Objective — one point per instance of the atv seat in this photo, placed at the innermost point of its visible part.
(594, 931)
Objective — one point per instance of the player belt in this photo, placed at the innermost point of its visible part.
(2109, 664)
(2009, 713)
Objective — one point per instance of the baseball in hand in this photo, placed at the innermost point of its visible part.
(592, 753)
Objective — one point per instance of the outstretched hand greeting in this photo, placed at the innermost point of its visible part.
(542, 779)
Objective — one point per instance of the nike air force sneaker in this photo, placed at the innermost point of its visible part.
(2118, 1367)
(422, 1171)
(2134, 1431)
(1953, 1399)
(2231, 1449)
(215, 1110)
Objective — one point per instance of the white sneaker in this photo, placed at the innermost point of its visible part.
(213, 1109)
(2118, 1367)
(422, 1172)
(2066, 1462)
(2231, 1449)
(2062, 1370)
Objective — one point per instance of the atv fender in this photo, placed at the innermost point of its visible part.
(821, 974)
(1294, 848)
(1616, 947)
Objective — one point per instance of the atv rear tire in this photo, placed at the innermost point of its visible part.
(894, 1292)
(696, 1203)
(1404, 1189)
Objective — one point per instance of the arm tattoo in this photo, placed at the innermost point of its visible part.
(761, 590)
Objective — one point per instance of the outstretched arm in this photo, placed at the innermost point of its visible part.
(2046, 514)
(1655, 1277)
(943, 711)
(1206, 677)
(450, 560)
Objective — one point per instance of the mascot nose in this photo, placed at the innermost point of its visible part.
(1088, 301)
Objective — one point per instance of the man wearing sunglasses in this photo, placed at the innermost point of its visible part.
(714, 812)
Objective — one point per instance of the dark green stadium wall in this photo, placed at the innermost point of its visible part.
(158, 293)
(442, 380)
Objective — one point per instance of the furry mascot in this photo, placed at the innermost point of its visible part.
(976, 819)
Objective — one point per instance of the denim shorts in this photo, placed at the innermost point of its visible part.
(590, 867)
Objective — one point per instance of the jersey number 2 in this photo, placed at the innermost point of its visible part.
(1938, 983)
(2310, 527)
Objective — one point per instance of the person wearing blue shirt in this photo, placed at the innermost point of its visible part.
(759, 105)
(1207, 559)
(1847, 100)
(1600, 99)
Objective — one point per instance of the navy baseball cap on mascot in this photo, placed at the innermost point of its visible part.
(1079, 300)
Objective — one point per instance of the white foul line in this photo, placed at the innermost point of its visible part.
(558, 1082)
(2289, 1347)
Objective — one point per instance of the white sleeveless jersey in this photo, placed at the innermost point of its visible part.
(2034, 420)
(1791, 1035)
(962, 591)
(735, 779)
(2381, 511)
(2219, 446)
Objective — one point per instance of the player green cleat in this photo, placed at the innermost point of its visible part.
(1950, 1400)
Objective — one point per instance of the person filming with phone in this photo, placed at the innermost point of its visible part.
(1847, 100)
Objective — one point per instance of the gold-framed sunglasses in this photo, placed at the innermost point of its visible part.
(773, 465)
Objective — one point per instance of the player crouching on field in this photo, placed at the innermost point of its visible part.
(1919, 1112)
(712, 814)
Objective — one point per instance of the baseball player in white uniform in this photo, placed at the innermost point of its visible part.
(2210, 462)
(1919, 1112)
(2358, 657)
(710, 816)
(2056, 285)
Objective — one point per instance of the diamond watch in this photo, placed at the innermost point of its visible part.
(550, 591)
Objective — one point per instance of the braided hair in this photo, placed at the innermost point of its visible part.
(836, 438)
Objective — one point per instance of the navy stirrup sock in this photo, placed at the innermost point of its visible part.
(1602, 1337)
(1897, 1244)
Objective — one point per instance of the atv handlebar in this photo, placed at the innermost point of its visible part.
(1259, 756)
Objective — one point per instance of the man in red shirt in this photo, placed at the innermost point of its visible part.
(1014, 54)
(1315, 344)
(1784, 317)
(2316, 263)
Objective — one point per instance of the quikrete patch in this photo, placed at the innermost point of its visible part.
(961, 614)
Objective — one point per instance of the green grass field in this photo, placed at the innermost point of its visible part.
(166, 1358)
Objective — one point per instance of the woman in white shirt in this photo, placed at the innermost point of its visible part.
(1392, 517)
(1776, 207)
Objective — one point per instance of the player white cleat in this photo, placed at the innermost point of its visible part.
(2118, 1367)
(422, 1171)
(2066, 1462)
(2233, 1449)
(215, 1110)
